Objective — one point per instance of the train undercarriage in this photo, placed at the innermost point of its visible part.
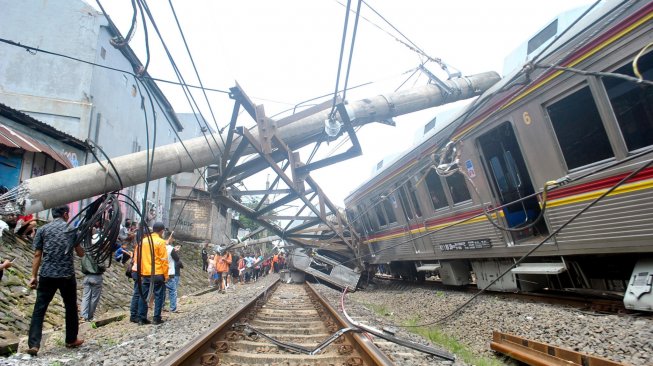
(623, 276)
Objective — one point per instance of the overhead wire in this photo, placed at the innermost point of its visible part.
(34, 50)
(197, 74)
(189, 95)
(146, 38)
(342, 53)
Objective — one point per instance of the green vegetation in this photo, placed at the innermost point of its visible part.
(56, 363)
(437, 336)
(58, 341)
(93, 325)
(111, 342)
(439, 293)
(380, 309)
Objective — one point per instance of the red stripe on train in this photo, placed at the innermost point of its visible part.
(599, 184)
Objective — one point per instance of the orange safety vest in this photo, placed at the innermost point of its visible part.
(160, 256)
(222, 263)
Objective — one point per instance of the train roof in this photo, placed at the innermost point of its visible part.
(543, 45)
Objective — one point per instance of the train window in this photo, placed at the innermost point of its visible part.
(373, 224)
(362, 218)
(458, 188)
(413, 197)
(579, 129)
(389, 209)
(356, 223)
(633, 103)
(434, 185)
(379, 214)
(404, 202)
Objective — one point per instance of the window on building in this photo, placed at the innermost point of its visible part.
(434, 185)
(458, 188)
(403, 199)
(413, 197)
(633, 103)
(389, 210)
(579, 129)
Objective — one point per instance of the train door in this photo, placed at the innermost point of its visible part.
(412, 213)
(510, 181)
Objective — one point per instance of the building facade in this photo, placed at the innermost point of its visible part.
(88, 102)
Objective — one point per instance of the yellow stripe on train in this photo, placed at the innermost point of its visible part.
(626, 188)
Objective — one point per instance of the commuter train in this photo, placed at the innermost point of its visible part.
(468, 200)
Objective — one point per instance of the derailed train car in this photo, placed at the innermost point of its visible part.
(575, 117)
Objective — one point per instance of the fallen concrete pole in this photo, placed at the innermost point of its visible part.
(71, 185)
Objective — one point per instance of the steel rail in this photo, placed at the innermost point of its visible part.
(541, 354)
(367, 347)
(192, 352)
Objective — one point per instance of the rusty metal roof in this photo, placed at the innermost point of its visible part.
(15, 139)
(29, 121)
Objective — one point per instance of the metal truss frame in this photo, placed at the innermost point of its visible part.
(322, 224)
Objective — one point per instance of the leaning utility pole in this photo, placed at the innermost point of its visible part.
(40, 193)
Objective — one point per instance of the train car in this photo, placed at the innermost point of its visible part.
(575, 116)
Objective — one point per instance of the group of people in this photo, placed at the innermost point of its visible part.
(225, 269)
(53, 270)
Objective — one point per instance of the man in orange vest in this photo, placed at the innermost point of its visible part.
(275, 263)
(222, 263)
(153, 244)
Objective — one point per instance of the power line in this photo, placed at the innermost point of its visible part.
(351, 49)
(195, 68)
(34, 50)
(342, 52)
(180, 77)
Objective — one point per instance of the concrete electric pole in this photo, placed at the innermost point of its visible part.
(71, 185)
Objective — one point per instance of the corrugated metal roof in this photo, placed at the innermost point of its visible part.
(29, 121)
(15, 139)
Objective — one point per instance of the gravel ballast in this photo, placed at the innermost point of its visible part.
(621, 338)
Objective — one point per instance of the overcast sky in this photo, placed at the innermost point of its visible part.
(283, 52)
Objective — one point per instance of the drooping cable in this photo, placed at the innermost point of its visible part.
(536, 247)
(181, 78)
(190, 56)
(351, 49)
(360, 215)
(342, 52)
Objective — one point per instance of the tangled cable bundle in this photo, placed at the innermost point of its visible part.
(98, 228)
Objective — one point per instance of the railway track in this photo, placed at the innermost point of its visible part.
(285, 325)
